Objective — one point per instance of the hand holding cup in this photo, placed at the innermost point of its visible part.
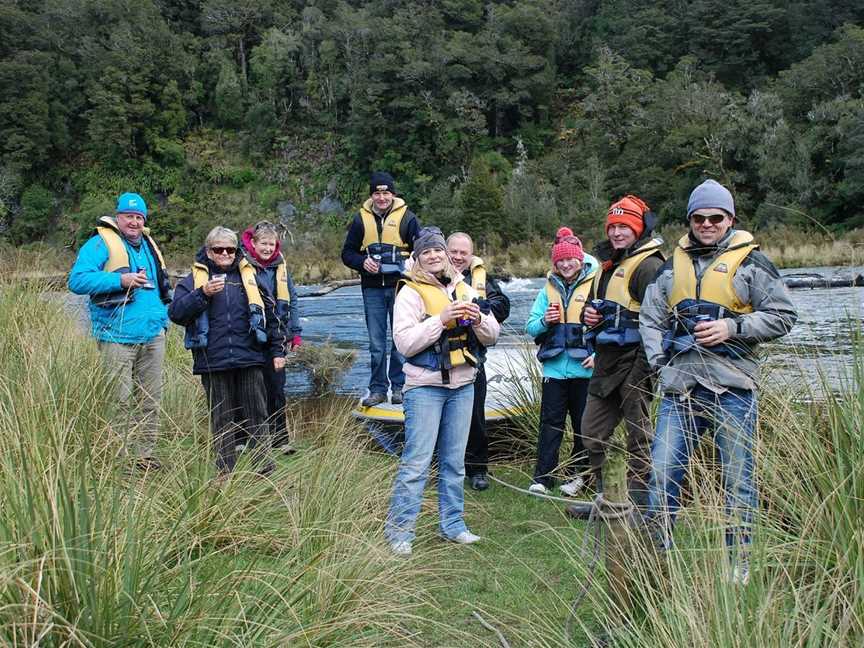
(215, 285)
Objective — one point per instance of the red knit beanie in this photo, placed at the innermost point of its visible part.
(566, 246)
(628, 211)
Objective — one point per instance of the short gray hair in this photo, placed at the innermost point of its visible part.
(218, 234)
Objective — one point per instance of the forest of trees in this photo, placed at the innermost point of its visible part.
(505, 117)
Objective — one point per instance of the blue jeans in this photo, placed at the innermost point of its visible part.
(434, 417)
(681, 422)
(378, 307)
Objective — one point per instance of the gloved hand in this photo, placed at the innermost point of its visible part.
(296, 342)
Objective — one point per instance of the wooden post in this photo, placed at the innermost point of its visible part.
(619, 536)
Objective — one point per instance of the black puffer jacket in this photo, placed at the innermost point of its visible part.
(230, 345)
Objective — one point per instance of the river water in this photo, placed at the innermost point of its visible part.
(819, 342)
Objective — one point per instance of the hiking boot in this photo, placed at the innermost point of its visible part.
(466, 537)
(373, 399)
(572, 488)
(396, 397)
(479, 482)
(538, 489)
(287, 449)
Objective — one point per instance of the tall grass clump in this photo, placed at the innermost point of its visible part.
(92, 554)
(807, 560)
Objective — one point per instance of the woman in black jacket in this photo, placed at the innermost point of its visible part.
(232, 334)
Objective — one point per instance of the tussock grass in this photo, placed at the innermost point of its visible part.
(807, 560)
(93, 555)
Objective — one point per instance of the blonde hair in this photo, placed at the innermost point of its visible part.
(218, 234)
(419, 274)
(264, 228)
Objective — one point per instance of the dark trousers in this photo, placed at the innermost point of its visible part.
(477, 450)
(602, 416)
(559, 398)
(275, 382)
(238, 402)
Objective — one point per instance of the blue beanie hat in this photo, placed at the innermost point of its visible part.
(711, 195)
(131, 203)
(381, 180)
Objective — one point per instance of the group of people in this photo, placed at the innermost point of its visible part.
(608, 326)
(239, 308)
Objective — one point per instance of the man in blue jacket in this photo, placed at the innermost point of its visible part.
(122, 270)
(379, 239)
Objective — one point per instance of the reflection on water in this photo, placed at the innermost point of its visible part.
(819, 341)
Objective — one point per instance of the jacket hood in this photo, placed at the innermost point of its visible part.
(419, 275)
(253, 256)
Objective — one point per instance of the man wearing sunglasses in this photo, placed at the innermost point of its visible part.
(701, 320)
(122, 271)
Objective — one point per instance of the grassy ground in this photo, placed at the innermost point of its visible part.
(92, 555)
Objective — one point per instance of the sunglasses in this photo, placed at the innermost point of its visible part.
(714, 219)
(223, 250)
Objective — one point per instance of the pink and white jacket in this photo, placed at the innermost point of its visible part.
(414, 331)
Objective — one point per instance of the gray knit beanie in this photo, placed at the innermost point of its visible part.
(711, 195)
(429, 237)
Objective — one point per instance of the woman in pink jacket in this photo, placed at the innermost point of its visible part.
(436, 326)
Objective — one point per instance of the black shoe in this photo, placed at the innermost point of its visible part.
(147, 464)
(396, 397)
(374, 399)
(579, 511)
(479, 482)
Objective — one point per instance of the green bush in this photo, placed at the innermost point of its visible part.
(34, 219)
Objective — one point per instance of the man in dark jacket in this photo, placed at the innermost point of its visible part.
(379, 239)
(620, 387)
(701, 321)
(233, 331)
(460, 247)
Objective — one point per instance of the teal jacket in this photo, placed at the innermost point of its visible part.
(137, 322)
(561, 367)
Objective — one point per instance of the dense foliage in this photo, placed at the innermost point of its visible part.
(508, 115)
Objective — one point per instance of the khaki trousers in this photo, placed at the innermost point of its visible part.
(137, 369)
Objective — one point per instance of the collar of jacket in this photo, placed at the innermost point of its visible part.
(696, 248)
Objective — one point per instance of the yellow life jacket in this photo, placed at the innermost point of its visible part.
(390, 225)
(568, 334)
(118, 261)
(715, 284)
(118, 256)
(457, 344)
(618, 288)
(197, 333)
(478, 276)
(201, 275)
(573, 311)
(707, 298)
(619, 309)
